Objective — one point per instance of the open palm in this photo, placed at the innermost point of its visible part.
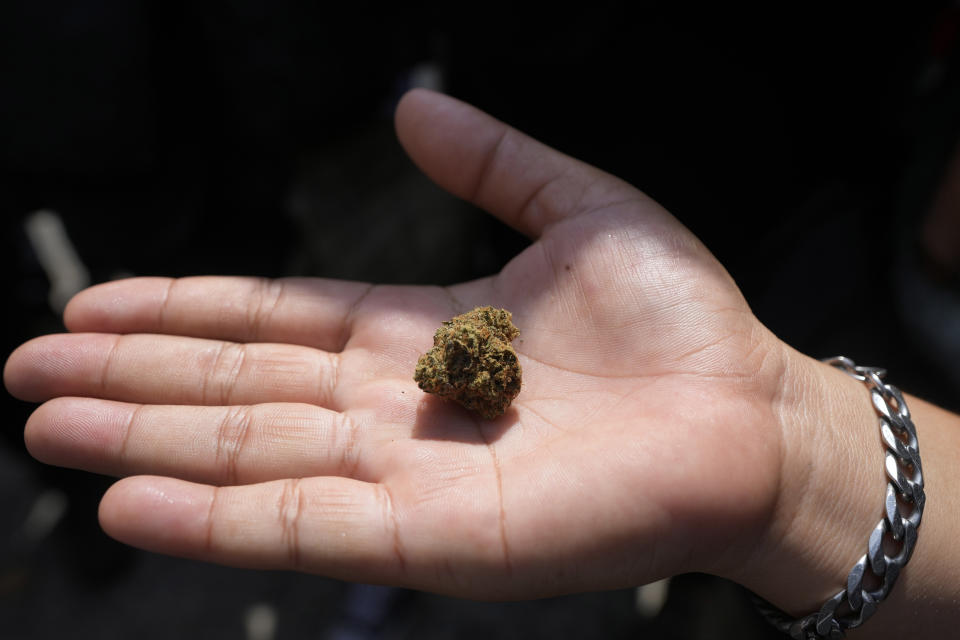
(282, 428)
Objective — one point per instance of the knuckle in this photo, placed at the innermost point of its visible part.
(210, 540)
(289, 510)
(329, 380)
(489, 164)
(163, 310)
(232, 433)
(223, 374)
(391, 526)
(346, 439)
(262, 305)
(110, 361)
(133, 424)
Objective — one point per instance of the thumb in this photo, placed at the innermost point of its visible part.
(523, 182)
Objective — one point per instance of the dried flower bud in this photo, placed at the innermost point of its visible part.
(473, 363)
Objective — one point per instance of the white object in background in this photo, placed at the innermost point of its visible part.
(56, 254)
(651, 597)
(426, 75)
(47, 510)
(260, 622)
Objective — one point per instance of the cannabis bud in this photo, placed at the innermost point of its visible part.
(473, 363)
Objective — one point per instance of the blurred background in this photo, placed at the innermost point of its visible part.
(814, 151)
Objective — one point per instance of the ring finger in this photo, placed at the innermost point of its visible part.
(226, 445)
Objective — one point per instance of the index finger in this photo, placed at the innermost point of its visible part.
(312, 312)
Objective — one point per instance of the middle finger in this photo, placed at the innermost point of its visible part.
(162, 369)
(218, 445)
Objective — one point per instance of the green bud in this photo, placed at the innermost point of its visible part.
(473, 363)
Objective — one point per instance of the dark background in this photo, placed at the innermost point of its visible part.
(255, 137)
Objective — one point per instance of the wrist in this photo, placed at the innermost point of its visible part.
(831, 488)
(827, 502)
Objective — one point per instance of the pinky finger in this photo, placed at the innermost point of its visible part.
(335, 526)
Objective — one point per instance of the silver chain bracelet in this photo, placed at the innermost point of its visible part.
(903, 508)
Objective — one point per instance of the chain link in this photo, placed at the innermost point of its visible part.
(902, 508)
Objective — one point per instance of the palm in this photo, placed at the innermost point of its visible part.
(297, 398)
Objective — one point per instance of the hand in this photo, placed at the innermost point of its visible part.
(280, 425)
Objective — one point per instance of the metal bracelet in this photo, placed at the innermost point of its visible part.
(903, 508)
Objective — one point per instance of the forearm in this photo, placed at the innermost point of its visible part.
(831, 495)
(926, 599)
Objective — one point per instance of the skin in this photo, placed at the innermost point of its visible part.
(661, 427)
